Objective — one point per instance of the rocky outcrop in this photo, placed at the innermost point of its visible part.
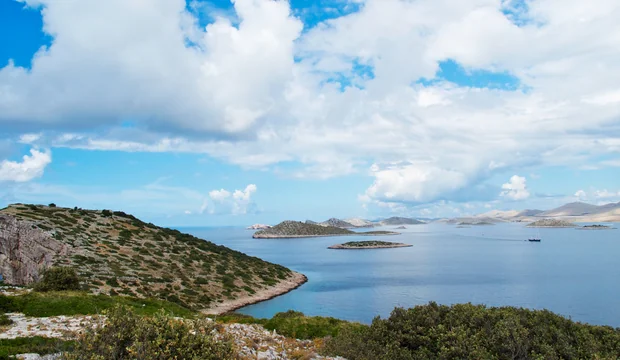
(25, 251)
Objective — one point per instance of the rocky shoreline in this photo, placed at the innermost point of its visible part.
(281, 288)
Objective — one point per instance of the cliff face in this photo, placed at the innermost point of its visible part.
(25, 251)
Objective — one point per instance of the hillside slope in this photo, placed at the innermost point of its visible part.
(116, 253)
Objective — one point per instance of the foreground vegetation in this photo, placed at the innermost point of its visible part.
(466, 331)
(475, 332)
(116, 253)
(127, 335)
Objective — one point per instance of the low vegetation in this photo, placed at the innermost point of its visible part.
(81, 303)
(474, 332)
(37, 345)
(115, 253)
(295, 324)
(58, 279)
(127, 335)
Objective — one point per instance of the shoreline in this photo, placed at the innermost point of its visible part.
(283, 287)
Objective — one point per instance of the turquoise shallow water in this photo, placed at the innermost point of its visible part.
(575, 273)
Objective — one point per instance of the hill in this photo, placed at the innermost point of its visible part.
(297, 229)
(571, 209)
(337, 223)
(395, 220)
(116, 253)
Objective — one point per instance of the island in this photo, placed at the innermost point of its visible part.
(552, 223)
(372, 244)
(297, 229)
(258, 227)
(476, 223)
(401, 228)
(595, 227)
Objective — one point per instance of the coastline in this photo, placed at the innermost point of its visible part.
(283, 287)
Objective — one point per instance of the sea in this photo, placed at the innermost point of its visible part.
(575, 273)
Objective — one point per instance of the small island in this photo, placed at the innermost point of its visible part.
(474, 222)
(373, 244)
(401, 228)
(552, 223)
(595, 227)
(296, 229)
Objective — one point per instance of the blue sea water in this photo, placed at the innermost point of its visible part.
(575, 273)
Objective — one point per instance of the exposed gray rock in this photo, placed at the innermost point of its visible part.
(25, 251)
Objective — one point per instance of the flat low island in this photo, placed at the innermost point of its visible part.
(373, 244)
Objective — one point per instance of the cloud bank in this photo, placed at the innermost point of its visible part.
(360, 89)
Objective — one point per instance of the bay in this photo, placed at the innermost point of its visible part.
(575, 273)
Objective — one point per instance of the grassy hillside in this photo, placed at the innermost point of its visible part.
(115, 253)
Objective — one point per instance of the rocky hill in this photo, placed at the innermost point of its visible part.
(555, 223)
(337, 223)
(400, 221)
(297, 229)
(360, 222)
(115, 253)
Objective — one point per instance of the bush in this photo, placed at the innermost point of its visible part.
(469, 331)
(5, 320)
(52, 205)
(39, 345)
(58, 279)
(130, 336)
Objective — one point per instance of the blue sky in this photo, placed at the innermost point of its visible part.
(219, 113)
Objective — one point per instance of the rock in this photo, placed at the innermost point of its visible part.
(25, 251)
(258, 227)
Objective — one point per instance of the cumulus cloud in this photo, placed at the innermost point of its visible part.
(515, 188)
(336, 98)
(238, 202)
(31, 167)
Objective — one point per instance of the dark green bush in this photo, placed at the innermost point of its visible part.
(160, 337)
(4, 320)
(58, 279)
(52, 205)
(469, 331)
(39, 345)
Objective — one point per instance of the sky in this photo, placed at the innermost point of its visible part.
(217, 113)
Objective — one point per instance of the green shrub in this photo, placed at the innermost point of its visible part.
(5, 320)
(52, 205)
(130, 336)
(58, 279)
(469, 331)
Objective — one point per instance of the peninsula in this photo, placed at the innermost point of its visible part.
(117, 254)
(373, 244)
(296, 229)
(552, 223)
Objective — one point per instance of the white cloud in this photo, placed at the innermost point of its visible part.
(31, 167)
(580, 194)
(516, 188)
(219, 195)
(238, 202)
(239, 95)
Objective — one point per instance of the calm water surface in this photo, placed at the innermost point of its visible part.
(575, 273)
